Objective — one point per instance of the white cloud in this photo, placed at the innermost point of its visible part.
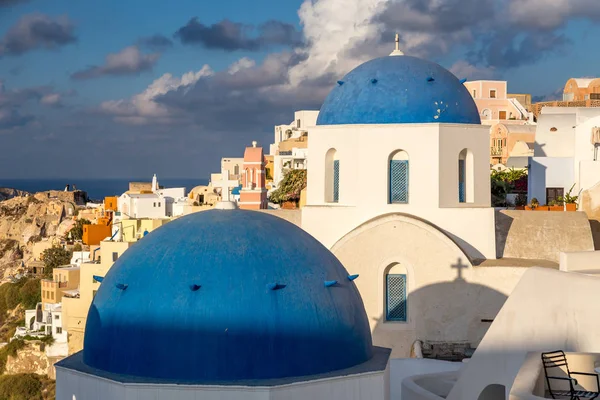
(128, 61)
(142, 108)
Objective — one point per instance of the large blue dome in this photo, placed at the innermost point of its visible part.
(223, 296)
(397, 90)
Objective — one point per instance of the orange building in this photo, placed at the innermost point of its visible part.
(111, 204)
(93, 234)
(253, 195)
(580, 89)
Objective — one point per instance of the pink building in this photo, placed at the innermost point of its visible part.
(253, 195)
(495, 104)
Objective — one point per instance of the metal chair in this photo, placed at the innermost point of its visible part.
(557, 359)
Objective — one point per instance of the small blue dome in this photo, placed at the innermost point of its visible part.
(223, 296)
(399, 90)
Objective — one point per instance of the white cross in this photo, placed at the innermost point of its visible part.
(225, 184)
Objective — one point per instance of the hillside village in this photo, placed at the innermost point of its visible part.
(515, 189)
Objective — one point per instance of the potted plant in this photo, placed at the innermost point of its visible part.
(569, 201)
(555, 206)
(520, 201)
(533, 205)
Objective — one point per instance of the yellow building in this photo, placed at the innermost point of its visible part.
(63, 279)
(75, 310)
(131, 230)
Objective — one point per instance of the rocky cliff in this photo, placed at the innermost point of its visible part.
(27, 219)
(8, 193)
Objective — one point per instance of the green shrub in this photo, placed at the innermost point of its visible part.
(21, 387)
(11, 297)
(30, 293)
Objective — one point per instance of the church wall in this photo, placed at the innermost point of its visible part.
(445, 303)
(74, 385)
(472, 228)
(452, 140)
(364, 152)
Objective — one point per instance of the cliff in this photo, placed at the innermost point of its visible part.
(26, 220)
(8, 193)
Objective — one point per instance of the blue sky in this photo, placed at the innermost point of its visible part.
(70, 109)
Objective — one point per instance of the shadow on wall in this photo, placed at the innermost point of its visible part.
(503, 224)
(450, 318)
(595, 227)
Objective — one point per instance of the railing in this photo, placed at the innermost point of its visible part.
(53, 284)
(285, 153)
(496, 151)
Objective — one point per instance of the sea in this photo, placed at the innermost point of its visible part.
(96, 189)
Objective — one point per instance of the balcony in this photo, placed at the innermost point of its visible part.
(47, 283)
(496, 151)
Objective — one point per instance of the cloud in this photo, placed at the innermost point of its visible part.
(156, 42)
(13, 104)
(463, 70)
(129, 61)
(37, 31)
(232, 36)
(8, 3)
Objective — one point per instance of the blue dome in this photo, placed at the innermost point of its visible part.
(223, 296)
(399, 90)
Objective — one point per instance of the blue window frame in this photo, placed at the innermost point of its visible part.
(336, 181)
(398, 181)
(395, 298)
(461, 181)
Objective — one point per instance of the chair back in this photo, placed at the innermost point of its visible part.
(555, 359)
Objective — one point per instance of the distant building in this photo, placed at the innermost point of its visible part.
(578, 89)
(75, 308)
(290, 150)
(233, 165)
(578, 92)
(565, 153)
(157, 202)
(253, 195)
(494, 104)
(508, 140)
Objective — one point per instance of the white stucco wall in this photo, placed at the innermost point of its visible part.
(549, 172)
(559, 142)
(433, 152)
(440, 299)
(566, 319)
(585, 262)
(402, 368)
(72, 385)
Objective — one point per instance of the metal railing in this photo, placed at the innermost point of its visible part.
(496, 151)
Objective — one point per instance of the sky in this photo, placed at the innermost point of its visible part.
(119, 89)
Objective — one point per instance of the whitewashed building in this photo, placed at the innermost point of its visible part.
(565, 153)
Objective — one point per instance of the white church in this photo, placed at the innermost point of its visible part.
(401, 253)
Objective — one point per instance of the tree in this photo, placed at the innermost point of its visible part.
(290, 187)
(77, 231)
(55, 257)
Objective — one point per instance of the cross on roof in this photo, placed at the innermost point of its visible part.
(225, 184)
(459, 266)
(397, 41)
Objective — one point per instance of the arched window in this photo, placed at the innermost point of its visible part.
(332, 177)
(396, 309)
(398, 177)
(466, 177)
